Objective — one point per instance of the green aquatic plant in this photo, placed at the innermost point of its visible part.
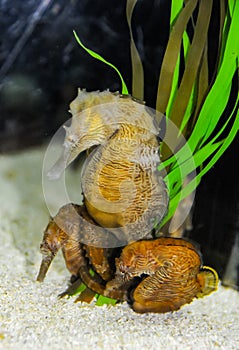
(199, 106)
(100, 58)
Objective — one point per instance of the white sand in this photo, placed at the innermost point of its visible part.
(31, 316)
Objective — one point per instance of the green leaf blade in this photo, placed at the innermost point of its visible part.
(100, 58)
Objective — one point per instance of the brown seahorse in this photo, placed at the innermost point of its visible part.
(122, 188)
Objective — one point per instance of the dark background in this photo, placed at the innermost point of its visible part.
(41, 67)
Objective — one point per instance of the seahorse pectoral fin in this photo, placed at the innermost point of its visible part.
(208, 280)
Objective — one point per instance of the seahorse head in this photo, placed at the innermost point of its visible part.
(95, 117)
(91, 124)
